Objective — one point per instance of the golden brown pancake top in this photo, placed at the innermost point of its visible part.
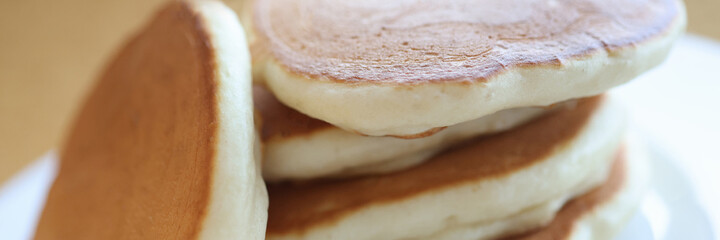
(280, 121)
(138, 159)
(562, 225)
(296, 207)
(459, 40)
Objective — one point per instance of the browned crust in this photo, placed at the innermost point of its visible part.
(276, 121)
(427, 133)
(564, 222)
(473, 51)
(295, 208)
(280, 121)
(138, 160)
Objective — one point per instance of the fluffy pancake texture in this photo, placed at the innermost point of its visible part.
(602, 212)
(163, 146)
(544, 162)
(300, 147)
(407, 67)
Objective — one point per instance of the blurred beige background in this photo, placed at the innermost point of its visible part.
(50, 51)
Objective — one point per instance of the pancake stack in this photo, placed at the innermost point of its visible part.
(364, 120)
(451, 119)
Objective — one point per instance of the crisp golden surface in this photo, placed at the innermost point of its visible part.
(407, 42)
(280, 121)
(139, 159)
(406, 68)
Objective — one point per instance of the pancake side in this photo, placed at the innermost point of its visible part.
(487, 179)
(164, 140)
(280, 121)
(412, 66)
(542, 218)
(301, 147)
(603, 212)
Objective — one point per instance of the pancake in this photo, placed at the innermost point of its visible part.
(550, 159)
(603, 212)
(598, 214)
(408, 67)
(300, 147)
(163, 147)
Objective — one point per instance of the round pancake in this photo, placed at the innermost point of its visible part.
(300, 147)
(552, 158)
(163, 148)
(407, 67)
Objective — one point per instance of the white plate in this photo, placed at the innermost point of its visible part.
(669, 211)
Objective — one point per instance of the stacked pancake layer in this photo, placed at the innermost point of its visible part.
(497, 185)
(596, 214)
(409, 67)
(300, 147)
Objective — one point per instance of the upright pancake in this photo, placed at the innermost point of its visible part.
(163, 146)
(542, 163)
(407, 67)
(300, 147)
